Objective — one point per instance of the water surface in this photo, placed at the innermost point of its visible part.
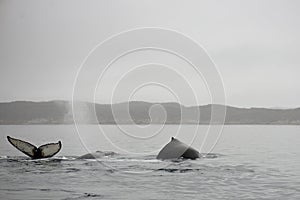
(249, 162)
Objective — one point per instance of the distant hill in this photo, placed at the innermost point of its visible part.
(60, 112)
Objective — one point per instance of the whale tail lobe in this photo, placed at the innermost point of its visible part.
(44, 151)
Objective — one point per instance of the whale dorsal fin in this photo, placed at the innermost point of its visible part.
(23, 146)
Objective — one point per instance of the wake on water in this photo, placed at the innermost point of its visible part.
(114, 162)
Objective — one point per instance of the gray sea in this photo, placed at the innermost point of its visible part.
(243, 162)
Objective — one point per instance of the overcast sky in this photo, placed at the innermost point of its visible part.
(255, 45)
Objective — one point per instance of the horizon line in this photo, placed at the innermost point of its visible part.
(157, 102)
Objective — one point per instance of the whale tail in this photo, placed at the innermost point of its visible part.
(44, 151)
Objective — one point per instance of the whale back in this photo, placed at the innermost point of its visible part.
(97, 154)
(176, 149)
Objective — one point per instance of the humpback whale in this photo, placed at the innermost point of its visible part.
(44, 151)
(97, 154)
(176, 149)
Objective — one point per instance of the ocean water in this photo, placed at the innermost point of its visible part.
(244, 162)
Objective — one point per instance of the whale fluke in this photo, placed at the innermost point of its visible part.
(44, 151)
(176, 149)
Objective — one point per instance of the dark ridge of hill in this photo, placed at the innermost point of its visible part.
(60, 112)
(26, 112)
